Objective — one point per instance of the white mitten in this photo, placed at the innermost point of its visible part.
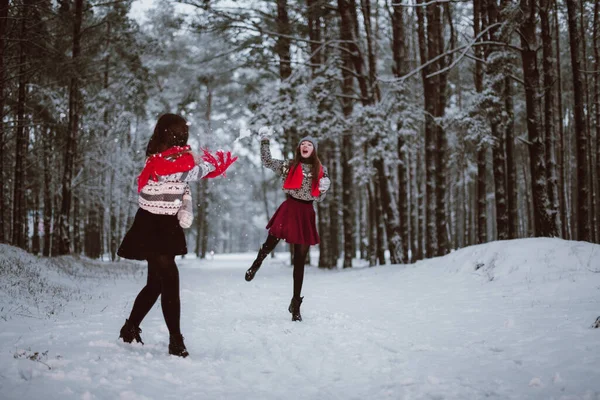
(324, 184)
(185, 214)
(265, 133)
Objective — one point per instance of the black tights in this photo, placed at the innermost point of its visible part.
(300, 251)
(163, 280)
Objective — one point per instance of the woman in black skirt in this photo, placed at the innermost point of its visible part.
(156, 234)
(305, 181)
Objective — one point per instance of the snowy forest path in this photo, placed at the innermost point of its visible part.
(397, 332)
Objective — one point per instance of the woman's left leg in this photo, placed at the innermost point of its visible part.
(300, 252)
(171, 303)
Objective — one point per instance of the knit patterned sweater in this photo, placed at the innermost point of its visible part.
(281, 168)
(165, 196)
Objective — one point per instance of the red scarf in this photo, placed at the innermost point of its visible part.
(294, 180)
(160, 164)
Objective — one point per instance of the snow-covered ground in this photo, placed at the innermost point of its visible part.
(504, 320)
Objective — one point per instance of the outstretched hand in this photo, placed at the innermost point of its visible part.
(265, 133)
(221, 162)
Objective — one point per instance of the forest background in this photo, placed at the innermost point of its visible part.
(443, 123)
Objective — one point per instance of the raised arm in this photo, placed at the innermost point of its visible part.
(199, 171)
(273, 164)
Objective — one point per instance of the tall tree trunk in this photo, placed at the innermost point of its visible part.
(47, 163)
(436, 91)
(543, 224)
(380, 225)
(335, 202)
(3, 25)
(348, 198)
(203, 200)
(588, 124)
(420, 237)
(392, 220)
(561, 135)
(596, 44)
(19, 237)
(35, 240)
(498, 66)
(76, 225)
(349, 26)
(372, 222)
(71, 145)
(512, 189)
(582, 207)
(429, 91)
(481, 147)
(374, 87)
(549, 111)
(282, 47)
(283, 51)
(400, 68)
(314, 32)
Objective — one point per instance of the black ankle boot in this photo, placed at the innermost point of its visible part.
(130, 332)
(294, 308)
(262, 254)
(176, 346)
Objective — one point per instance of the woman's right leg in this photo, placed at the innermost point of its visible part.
(267, 247)
(142, 305)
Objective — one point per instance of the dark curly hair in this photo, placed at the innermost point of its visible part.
(170, 130)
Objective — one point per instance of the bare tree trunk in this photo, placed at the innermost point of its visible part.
(588, 124)
(380, 225)
(47, 162)
(549, 112)
(582, 207)
(420, 237)
(428, 89)
(201, 204)
(19, 237)
(413, 204)
(596, 44)
(334, 204)
(314, 32)
(76, 225)
(561, 136)
(283, 51)
(363, 223)
(348, 203)
(347, 10)
(543, 224)
(400, 68)
(374, 87)
(435, 106)
(71, 144)
(203, 201)
(282, 47)
(4, 4)
(372, 222)
(391, 211)
(512, 187)
(35, 240)
(481, 148)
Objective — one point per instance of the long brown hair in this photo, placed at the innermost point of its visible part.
(170, 130)
(313, 160)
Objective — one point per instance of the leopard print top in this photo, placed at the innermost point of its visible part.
(282, 167)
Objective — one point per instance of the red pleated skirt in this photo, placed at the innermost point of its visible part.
(294, 221)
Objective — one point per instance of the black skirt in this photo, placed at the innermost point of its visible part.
(151, 235)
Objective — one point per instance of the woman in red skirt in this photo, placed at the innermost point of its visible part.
(305, 181)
